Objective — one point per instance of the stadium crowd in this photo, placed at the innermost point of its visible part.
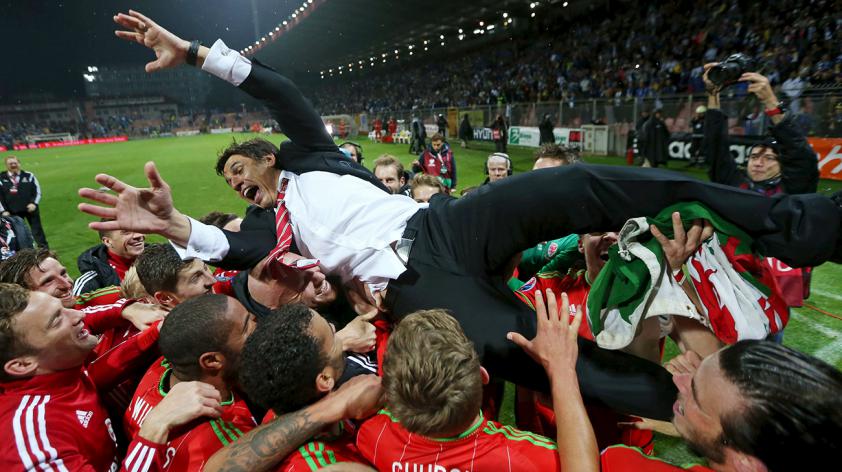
(349, 327)
(648, 51)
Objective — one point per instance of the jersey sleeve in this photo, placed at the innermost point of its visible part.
(109, 369)
(100, 318)
(144, 456)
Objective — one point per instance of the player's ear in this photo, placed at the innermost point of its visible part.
(581, 244)
(325, 382)
(23, 366)
(269, 159)
(166, 299)
(483, 374)
(212, 361)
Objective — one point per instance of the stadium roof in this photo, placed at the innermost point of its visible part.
(339, 32)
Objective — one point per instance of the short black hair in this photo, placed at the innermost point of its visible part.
(158, 267)
(281, 359)
(792, 413)
(15, 270)
(218, 219)
(256, 149)
(191, 329)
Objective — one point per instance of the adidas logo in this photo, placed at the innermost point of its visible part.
(84, 417)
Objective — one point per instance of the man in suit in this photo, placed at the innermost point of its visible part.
(449, 254)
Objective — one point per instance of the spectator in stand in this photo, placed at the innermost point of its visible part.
(466, 131)
(20, 195)
(389, 170)
(499, 134)
(201, 341)
(424, 186)
(441, 122)
(44, 348)
(438, 160)
(498, 166)
(105, 264)
(442, 422)
(545, 129)
(654, 141)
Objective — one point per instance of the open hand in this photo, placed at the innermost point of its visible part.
(170, 50)
(555, 344)
(142, 210)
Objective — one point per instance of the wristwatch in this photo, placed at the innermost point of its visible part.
(193, 52)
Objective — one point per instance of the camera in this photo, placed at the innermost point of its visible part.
(728, 72)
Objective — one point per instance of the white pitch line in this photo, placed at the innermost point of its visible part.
(832, 351)
(826, 294)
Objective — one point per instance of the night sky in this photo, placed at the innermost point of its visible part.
(48, 44)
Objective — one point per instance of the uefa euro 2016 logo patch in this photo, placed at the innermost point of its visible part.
(529, 285)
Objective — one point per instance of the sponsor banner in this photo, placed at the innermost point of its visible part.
(829, 151)
(530, 135)
(3, 148)
(75, 142)
(221, 130)
(187, 132)
(482, 134)
(680, 146)
(431, 129)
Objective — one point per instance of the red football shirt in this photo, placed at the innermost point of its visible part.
(485, 446)
(56, 422)
(191, 446)
(574, 285)
(632, 459)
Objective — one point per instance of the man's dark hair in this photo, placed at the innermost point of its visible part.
(561, 153)
(15, 270)
(255, 149)
(218, 219)
(103, 232)
(281, 359)
(791, 417)
(191, 329)
(158, 267)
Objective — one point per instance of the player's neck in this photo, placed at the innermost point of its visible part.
(215, 381)
(461, 430)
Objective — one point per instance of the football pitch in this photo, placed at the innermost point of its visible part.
(187, 164)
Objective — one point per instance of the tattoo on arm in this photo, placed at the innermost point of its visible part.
(266, 446)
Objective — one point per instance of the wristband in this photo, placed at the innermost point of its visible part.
(773, 112)
(193, 52)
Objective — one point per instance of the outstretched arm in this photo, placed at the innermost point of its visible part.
(555, 347)
(723, 169)
(295, 115)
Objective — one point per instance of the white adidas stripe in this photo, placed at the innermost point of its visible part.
(30, 428)
(81, 281)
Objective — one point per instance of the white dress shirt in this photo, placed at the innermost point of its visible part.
(343, 221)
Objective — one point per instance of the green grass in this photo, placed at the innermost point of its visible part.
(187, 165)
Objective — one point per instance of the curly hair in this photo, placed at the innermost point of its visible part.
(567, 155)
(281, 359)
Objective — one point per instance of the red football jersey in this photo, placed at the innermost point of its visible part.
(574, 285)
(223, 285)
(190, 446)
(485, 446)
(632, 459)
(323, 452)
(56, 422)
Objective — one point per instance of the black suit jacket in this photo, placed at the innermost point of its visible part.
(309, 149)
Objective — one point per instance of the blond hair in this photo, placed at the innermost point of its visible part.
(131, 287)
(431, 375)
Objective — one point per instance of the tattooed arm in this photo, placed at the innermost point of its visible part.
(265, 447)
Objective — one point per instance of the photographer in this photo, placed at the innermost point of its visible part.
(784, 162)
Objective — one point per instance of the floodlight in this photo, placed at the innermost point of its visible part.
(505, 15)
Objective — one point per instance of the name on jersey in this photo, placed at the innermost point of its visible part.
(413, 467)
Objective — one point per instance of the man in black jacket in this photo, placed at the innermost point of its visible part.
(451, 255)
(784, 162)
(106, 264)
(20, 195)
(654, 140)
